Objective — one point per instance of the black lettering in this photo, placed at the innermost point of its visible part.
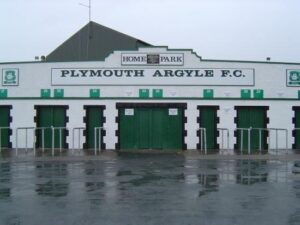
(164, 59)
(189, 73)
(139, 73)
(179, 73)
(237, 73)
(128, 73)
(179, 59)
(157, 74)
(73, 74)
(83, 73)
(168, 73)
(118, 73)
(107, 73)
(198, 73)
(173, 59)
(225, 73)
(209, 73)
(64, 73)
(94, 73)
(134, 59)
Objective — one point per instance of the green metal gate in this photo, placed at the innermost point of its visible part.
(208, 119)
(151, 128)
(94, 118)
(5, 122)
(296, 133)
(251, 117)
(47, 117)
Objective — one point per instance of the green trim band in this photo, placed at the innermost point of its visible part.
(149, 99)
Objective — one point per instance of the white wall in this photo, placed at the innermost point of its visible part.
(35, 76)
(280, 114)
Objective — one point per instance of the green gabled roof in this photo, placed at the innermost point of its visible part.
(93, 42)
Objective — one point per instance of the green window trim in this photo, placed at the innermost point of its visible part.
(3, 93)
(45, 93)
(157, 93)
(144, 93)
(245, 93)
(258, 93)
(94, 93)
(208, 93)
(58, 93)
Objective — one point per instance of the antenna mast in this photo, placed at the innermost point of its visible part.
(90, 10)
(89, 6)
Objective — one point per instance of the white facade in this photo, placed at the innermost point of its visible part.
(182, 79)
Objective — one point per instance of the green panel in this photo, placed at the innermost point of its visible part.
(58, 93)
(208, 120)
(94, 93)
(173, 130)
(45, 118)
(255, 118)
(48, 117)
(45, 93)
(298, 94)
(208, 93)
(3, 93)
(4, 122)
(128, 129)
(297, 132)
(258, 93)
(157, 93)
(59, 121)
(144, 93)
(151, 128)
(144, 128)
(158, 127)
(245, 93)
(93, 119)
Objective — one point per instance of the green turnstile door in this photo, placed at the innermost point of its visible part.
(5, 122)
(254, 117)
(151, 128)
(208, 119)
(51, 116)
(94, 118)
(296, 122)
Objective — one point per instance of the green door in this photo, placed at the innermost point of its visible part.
(51, 116)
(297, 125)
(173, 129)
(135, 128)
(208, 120)
(254, 117)
(143, 128)
(94, 118)
(128, 129)
(150, 128)
(5, 122)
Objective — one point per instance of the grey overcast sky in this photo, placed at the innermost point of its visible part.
(215, 29)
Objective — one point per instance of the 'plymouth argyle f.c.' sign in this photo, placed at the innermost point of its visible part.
(152, 76)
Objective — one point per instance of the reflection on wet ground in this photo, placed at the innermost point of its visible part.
(149, 189)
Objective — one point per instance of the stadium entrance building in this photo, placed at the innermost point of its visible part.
(116, 92)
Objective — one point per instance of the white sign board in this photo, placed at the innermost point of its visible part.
(164, 59)
(153, 76)
(10, 77)
(173, 112)
(129, 112)
(293, 78)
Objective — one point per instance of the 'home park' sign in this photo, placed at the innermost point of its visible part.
(152, 76)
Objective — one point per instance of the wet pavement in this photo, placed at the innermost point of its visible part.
(148, 189)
